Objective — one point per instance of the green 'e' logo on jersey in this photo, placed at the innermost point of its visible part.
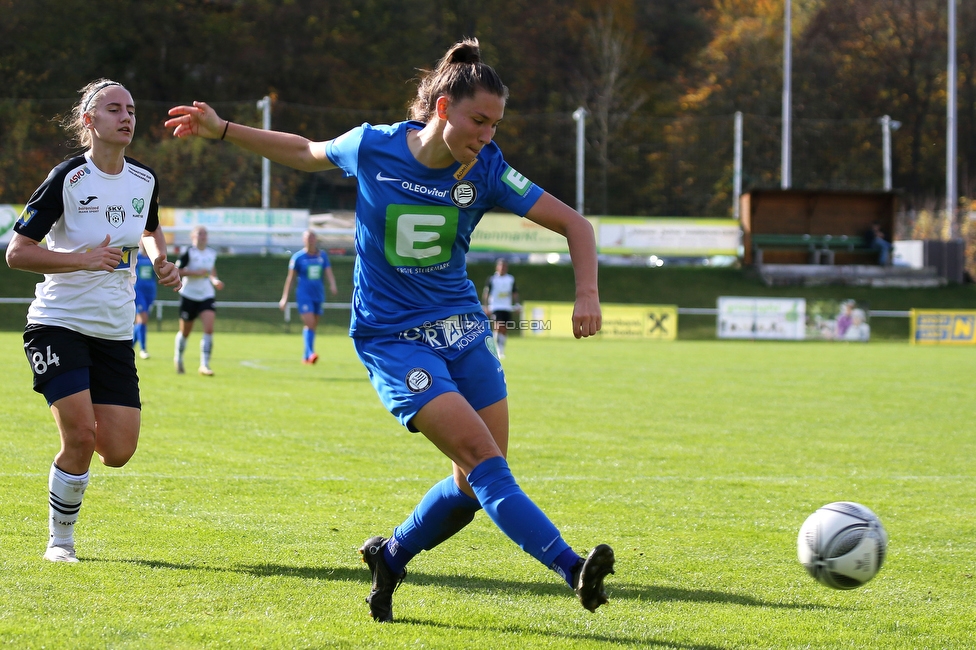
(519, 184)
(420, 235)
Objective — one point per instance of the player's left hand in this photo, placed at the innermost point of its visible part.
(168, 274)
(587, 317)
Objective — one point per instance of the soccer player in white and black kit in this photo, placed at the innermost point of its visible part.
(499, 299)
(199, 272)
(93, 210)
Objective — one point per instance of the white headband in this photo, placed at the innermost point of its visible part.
(99, 88)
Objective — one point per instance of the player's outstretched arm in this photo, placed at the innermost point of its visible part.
(283, 148)
(555, 215)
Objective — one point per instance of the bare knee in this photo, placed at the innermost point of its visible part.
(78, 441)
(116, 457)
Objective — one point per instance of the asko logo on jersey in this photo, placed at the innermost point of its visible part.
(75, 178)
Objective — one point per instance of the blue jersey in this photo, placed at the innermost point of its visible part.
(309, 269)
(145, 283)
(414, 225)
(145, 274)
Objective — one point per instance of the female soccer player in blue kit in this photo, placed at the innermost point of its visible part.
(309, 265)
(417, 322)
(145, 297)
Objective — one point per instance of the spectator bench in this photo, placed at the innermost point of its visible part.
(820, 247)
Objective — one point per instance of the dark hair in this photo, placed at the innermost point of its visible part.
(459, 75)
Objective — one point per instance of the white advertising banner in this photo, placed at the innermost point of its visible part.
(761, 318)
(8, 217)
(668, 236)
(237, 227)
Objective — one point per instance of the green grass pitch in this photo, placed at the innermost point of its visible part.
(236, 524)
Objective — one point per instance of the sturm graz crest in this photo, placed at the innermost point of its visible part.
(418, 380)
(464, 193)
(115, 215)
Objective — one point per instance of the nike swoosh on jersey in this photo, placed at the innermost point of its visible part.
(381, 177)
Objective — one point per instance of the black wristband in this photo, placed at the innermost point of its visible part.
(224, 134)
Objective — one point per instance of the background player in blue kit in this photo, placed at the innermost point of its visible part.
(309, 265)
(93, 210)
(417, 322)
(145, 297)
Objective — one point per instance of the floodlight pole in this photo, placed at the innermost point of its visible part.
(265, 106)
(580, 116)
(887, 126)
(952, 198)
(785, 167)
(737, 166)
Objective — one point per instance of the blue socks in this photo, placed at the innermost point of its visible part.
(139, 335)
(308, 336)
(519, 517)
(443, 511)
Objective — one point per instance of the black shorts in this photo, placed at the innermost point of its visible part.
(53, 351)
(501, 315)
(190, 309)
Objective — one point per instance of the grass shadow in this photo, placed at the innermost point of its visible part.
(621, 591)
(567, 637)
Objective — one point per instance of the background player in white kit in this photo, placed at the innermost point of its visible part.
(93, 210)
(499, 299)
(199, 272)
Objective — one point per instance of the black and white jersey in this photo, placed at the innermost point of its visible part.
(501, 289)
(74, 209)
(197, 288)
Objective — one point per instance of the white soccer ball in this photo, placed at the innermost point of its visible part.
(842, 545)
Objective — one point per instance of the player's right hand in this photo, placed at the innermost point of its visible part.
(198, 119)
(103, 257)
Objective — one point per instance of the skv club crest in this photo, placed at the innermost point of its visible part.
(115, 215)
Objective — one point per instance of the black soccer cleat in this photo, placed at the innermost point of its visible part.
(380, 599)
(589, 574)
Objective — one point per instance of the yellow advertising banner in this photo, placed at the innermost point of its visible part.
(938, 327)
(650, 322)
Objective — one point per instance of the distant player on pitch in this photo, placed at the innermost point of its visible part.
(198, 268)
(309, 265)
(499, 298)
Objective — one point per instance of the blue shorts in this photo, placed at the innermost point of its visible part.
(454, 355)
(145, 297)
(306, 306)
